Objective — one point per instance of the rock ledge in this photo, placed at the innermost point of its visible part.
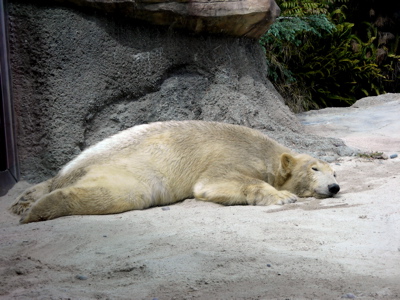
(241, 18)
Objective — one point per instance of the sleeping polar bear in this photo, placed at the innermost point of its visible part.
(166, 162)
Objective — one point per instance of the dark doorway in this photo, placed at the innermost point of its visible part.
(9, 173)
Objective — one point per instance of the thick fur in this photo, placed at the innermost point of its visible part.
(165, 162)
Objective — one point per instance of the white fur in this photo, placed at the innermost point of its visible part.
(166, 162)
(119, 140)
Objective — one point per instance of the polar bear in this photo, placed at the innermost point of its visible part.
(166, 162)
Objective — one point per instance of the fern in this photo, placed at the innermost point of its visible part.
(301, 8)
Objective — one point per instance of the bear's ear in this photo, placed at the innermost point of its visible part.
(286, 165)
(288, 162)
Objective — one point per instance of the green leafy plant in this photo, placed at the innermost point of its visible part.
(285, 43)
(340, 68)
(316, 61)
(301, 8)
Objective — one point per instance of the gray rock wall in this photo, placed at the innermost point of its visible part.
(81, 76)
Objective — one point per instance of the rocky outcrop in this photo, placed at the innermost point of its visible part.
(79, 76)
(249, 18)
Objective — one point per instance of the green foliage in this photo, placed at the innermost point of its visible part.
(315, 60)
(340, 68)
(301, 8)
(290, 29)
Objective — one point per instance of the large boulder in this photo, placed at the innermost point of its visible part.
(249, 18)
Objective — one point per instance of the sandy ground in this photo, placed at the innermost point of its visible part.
(337, 248)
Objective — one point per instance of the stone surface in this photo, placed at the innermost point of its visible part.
(249, 18)
(371, 124)
(80, 76)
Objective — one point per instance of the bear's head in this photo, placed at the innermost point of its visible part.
(306, 176)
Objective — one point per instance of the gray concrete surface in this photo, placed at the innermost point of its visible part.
(371, 124)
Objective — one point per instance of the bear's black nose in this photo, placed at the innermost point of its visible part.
(334, 188)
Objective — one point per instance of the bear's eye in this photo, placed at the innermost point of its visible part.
(334, 175)
(314, 169)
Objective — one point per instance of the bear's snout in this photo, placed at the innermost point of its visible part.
(334, 188)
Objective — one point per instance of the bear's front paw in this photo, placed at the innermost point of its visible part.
(285, 197)
(268, 196)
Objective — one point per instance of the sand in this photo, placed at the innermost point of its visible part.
(342, 247)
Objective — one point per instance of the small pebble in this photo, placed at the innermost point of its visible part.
(104, 236)
(268, 265)
(19, 272)
(81, 277)
(393, 156)
(349, 296)
(328, 159)
(165, 208)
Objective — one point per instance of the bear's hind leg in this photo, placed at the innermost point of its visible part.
(24, 201)
(79, 201)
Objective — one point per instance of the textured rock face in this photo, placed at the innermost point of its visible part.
(79, 77)
(249, 18)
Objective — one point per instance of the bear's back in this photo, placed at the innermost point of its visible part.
(209, 140)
